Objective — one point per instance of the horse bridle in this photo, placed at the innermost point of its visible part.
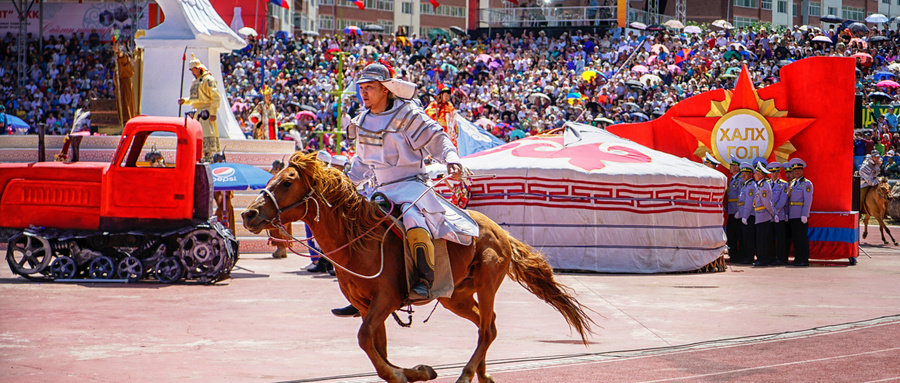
(276, 220)
(884, 194)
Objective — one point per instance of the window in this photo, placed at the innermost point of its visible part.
(745, 3)
(388, 25)
(743, 21)
(782, 6)
(385, 5)
(794, 11)
(815, 8)
(371, 4)
(886, 1)
(426, 9)
(407, 7)
(853, 13)
(766, 4)
(326, 22)
(326, 2)
(833, 10)
(143, 152)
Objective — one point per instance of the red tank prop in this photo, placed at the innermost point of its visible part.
(128, 219)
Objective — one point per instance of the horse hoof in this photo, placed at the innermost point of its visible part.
(885, 242)
(895, 243)
(486, 378)
(427, 370)
(865, 235)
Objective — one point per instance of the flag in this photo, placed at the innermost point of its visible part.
(516, 2)
(360, 4)
(435, 4)
(281, 3)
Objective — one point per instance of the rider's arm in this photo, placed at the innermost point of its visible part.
(425, 133)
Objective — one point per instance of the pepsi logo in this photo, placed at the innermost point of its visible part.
(223, 172)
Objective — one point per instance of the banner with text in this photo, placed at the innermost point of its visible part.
(106, 19)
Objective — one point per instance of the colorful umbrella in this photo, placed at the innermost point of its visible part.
(588, 75)
(864, 58)
(674, 69)
(483, 58)
(353, 30)
(640, 69)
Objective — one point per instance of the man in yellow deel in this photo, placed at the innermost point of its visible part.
(205, 99)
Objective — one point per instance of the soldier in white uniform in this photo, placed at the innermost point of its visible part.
(393, 137)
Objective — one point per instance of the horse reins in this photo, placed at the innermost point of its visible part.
(276, 221)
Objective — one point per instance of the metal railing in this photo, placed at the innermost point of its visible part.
(553, 16)
(545, 16)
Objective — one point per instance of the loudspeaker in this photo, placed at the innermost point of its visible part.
(857, 111)
(855, 203)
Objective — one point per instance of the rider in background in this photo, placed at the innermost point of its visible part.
(868, 174)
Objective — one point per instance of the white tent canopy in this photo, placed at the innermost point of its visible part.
(190, 27)
(598, 202)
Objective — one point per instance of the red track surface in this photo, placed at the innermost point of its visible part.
(274, 325)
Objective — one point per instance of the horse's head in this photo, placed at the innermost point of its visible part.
(884, 189)
(288, 195)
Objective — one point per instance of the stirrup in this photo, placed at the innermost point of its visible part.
(420, 290)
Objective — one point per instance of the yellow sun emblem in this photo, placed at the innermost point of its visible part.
(744, 126)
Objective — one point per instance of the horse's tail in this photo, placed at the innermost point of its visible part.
(531, 270)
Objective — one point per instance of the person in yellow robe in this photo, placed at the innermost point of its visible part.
(204, 98)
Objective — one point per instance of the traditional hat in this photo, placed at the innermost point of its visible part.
(746, 167)
(377, 71)
(266, 91)
(760, 167)
(444, 88)
(710, 159)
(195, 63)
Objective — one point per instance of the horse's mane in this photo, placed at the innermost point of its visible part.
(358, 214)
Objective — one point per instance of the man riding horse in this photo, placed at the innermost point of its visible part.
(868, 174)
(393, 137)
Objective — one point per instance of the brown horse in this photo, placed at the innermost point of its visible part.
(875, 205)
(337, 215)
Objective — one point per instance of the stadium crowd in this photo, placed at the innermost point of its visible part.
(515, 85)
(60, 79)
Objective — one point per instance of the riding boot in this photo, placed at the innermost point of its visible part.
(422, 247)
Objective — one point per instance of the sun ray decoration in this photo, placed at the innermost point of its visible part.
(744, 100)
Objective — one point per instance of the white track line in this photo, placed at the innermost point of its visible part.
(773, 365)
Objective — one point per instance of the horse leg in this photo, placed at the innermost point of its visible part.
(465, 306)
(866, 225)
(373, 341)
(884, 228)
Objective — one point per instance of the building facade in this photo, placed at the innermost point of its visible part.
(418, 16)
(782, 12)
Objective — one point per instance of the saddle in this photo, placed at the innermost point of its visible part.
(443, 274)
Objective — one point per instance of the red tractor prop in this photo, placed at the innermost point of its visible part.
(128, 219)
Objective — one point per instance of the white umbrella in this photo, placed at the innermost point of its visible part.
(674, 24)
(637, 25)
(650, 79)
(247, 31)
(877, 18)
(692, 29)
(722, 24)
(535, 96)
(823, 39)
(894, 67)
